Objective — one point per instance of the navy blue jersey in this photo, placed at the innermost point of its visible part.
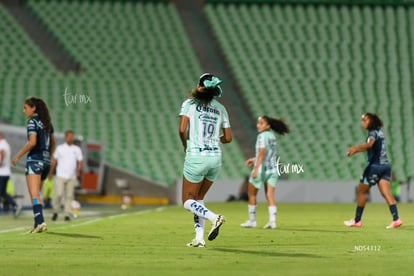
(377, 154)
(41, 151)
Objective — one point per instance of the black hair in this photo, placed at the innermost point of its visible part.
(41, 110)
(277, 124)
(204, 95)
(375, 122)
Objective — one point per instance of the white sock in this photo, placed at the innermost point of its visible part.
(252, 212)
(272, 213)
(199, 209)
(199, 225)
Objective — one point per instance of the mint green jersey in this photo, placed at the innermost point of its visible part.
(267, 140)
(205, 124)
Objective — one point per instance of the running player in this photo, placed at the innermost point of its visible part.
(264, 171)
(40, 146)
(202, 120)
(377, 171)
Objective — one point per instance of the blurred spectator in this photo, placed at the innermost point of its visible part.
(5, 171)
(68, 161)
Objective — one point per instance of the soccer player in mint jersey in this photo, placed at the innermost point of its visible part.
(204, 124)
(377, 171)
(264, 172)
(40, 146)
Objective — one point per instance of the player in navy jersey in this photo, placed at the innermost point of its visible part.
(202, 121)
(39, 148)
(377, 171)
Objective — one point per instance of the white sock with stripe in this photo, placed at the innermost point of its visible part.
(199, 224)
(272, 213)
(252, 212)
(199, 209)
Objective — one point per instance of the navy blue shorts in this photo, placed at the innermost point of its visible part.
(38, 167)
(374, 173)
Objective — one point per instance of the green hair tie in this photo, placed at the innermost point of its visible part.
(214, 82)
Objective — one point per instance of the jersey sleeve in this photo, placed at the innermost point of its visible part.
(79, 156)
(226, 121)
(261, 141)
(372, 134)
(185, 107)
(31, 127)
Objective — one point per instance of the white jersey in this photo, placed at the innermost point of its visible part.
(205, 124)
(5, 167)
(67, 157)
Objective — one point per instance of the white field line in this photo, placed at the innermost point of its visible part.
(86, 222)
(12, 230)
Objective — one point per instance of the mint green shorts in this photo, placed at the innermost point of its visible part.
(196, 168)
(263, 178)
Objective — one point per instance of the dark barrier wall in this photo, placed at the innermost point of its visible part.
(138, 186)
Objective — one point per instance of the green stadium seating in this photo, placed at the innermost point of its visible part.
(321, 67)
(137, 68)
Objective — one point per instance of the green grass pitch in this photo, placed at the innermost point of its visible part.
(310, 240)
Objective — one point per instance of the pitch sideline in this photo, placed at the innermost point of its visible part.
(159, 209)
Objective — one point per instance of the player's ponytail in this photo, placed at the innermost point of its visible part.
(41, 110)
(277, 125)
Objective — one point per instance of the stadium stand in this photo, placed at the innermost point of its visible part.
(137, 68)
(321, 67)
